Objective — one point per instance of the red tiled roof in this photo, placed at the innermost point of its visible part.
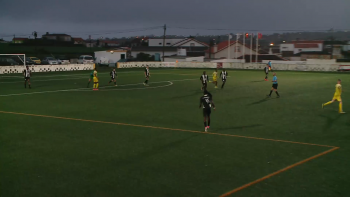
(20, 39)
(306, 45)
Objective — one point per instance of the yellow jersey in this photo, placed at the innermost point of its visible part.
(215, 74)
(338, 90)
(95, 73)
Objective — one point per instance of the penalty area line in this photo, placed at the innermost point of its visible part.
(103, 87)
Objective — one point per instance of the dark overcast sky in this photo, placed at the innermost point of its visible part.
(107, 17)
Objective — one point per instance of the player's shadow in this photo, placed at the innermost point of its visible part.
(261, 101)
(329, 121)
(240, 127)
(257, 81)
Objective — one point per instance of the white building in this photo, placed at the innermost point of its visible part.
(109, 56)
(159, 42)
(156, 51)
(224, 51)
(295, 47)
(186, 42)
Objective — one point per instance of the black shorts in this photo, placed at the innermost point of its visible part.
(26, 78)
(206, 112)
(275, 86)
(147, 76)
(204, 83)
(223, 80)
(112, 78)
(267, 73)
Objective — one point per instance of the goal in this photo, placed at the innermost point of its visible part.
(15, 60)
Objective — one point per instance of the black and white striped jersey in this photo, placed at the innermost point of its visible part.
(147, 72)
(223, 74)
(113, 74)
(204, 78)
(27, 73)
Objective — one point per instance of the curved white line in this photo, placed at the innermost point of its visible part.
(144, 88)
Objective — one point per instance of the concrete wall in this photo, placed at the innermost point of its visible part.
(46, 68)
(248, 66)
(134, 53)
(105, 57)
(320, 61)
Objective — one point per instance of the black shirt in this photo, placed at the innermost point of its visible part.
(206, 101)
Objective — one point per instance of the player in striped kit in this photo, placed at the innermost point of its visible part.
(204, 78)
(27, 74)
(113, 75)
(147, 75)
(223, 76)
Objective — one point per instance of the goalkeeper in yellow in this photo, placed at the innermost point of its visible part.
(95, 80)
(337, 96)
(215, 78)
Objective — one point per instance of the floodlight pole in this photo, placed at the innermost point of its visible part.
(164, 40)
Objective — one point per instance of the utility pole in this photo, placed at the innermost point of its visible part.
(332, 42)
(164, 40)
(228, 47)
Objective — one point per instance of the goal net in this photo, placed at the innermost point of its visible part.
(13, 63)
(15, 60)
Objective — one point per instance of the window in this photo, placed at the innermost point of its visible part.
(300, 50)
(192, 44)
(168, 43)
(284, 47)
(238, 49)
(160, 43)
(122, 56)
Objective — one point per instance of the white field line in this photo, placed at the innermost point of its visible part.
(87, 74)
(46, 80)
(86, 77)
(80, 89)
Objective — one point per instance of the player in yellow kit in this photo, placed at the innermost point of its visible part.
(95, 80)
(337, 97)
(215, 78)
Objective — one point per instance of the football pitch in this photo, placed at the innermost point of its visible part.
(63, 139)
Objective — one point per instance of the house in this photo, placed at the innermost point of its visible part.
(18, 40)
(294, 47)
(313, 55)
(156, 51)
(159, 42)
(140, 41)
(58, 37)
(335, 48)
(110, 56)
(224, 50)
(78, 41)
(108, 43)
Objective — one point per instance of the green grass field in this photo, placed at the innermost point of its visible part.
(61, 139)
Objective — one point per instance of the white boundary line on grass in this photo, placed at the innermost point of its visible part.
(89, 89)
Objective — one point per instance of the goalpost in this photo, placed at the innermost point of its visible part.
(8, 59)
